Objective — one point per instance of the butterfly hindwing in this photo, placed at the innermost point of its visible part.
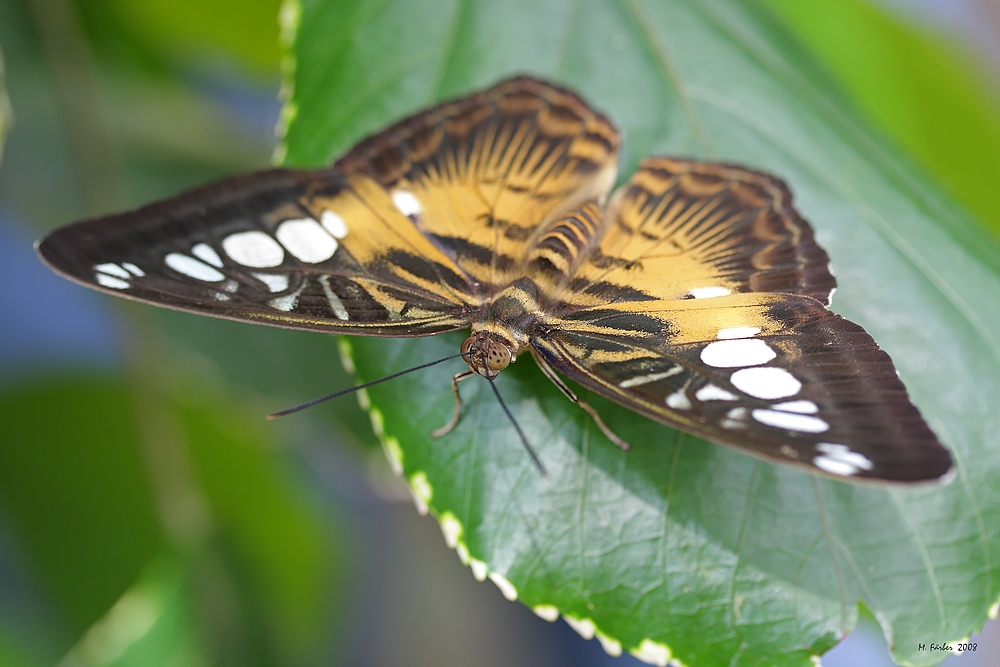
(481, 174)
(686, 229)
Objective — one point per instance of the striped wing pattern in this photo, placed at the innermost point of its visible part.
(695, 295)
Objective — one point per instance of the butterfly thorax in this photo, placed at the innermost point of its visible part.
(505, 329)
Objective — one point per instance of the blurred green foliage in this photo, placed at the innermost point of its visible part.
(154, 520)
(6, 115)
(934, 96)
(71, 523)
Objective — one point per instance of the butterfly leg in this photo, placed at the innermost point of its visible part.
(453, 422)
(568, 393)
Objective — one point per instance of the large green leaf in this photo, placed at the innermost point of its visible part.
(682, 548)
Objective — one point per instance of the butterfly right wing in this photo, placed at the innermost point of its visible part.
(702, 303)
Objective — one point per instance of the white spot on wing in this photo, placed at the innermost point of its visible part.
(789, 452)
(737, 352)
(287, 303)
(833, 466)
(406, 202)
(276, 282)
(306, 240)
(255, 249)
(110, 281)
(192, 268)
(790, 421)
(802, 407)
(230, 285)
(645, 379)
(708, 292)
(840, 460)
(678, 400)
(335, 303)
(334, 224)
(711, 392)
(133, 269)
(207, 254)
(735, 418)
(767, 383)
(738, 332)
(113, 270)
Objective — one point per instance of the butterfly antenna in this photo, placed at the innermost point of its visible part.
(524, 439)
(321, 399)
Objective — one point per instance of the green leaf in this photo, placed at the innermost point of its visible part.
(680, 547)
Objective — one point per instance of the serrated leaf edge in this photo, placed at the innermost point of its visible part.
(648, 650)
(289, 17)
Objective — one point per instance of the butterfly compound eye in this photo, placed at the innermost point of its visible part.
(497, 357)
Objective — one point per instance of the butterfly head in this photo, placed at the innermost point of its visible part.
(486, 356)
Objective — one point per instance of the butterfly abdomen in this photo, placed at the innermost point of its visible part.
(559, 248)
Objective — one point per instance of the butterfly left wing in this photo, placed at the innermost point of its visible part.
(403, 236)
(778, 376)
(315, 250)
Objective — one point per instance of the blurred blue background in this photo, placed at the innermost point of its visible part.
(147, 514)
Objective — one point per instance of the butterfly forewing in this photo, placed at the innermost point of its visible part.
(310, 250)
(780, 376)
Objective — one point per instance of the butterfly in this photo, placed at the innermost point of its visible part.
(695, 294)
